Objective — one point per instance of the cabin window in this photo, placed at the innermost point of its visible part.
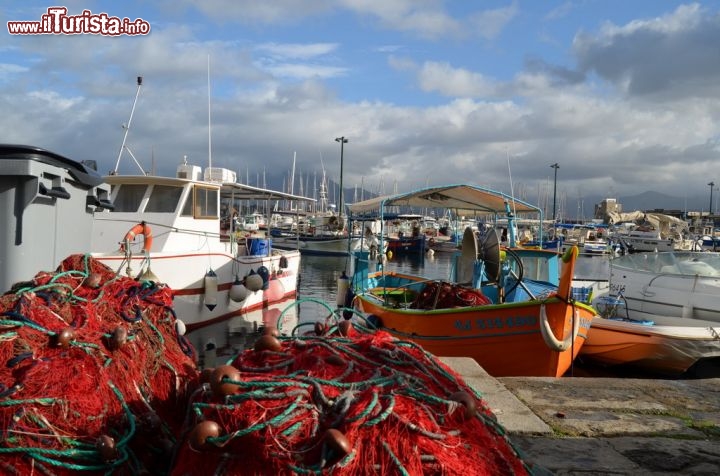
(205, 202)
(129, 197)
(163, 199)
(536, 268)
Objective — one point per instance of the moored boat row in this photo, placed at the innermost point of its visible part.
(494, 296)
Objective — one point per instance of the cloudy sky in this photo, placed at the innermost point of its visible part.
(623, 95)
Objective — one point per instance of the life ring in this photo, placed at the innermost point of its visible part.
(141, 228)
(549, 337)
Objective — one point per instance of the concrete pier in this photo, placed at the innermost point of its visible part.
(605, 426)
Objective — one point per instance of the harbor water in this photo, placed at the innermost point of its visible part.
(318, 274)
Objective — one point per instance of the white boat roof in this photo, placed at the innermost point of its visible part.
(465, 199)
(248, 192)
(227, 189)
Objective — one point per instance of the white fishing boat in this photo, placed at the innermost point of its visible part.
(323, 232)
(316, 245)
(251, 222)
(214, 272)
(192, 240)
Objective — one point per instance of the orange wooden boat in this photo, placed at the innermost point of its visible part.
(510, 309)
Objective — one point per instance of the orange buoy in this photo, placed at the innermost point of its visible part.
(139, 229)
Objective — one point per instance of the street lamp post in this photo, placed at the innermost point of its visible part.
(342, 141)
(556, 167)
(711, 184)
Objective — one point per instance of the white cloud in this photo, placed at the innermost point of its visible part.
(490, 23)
(251, 11)
(297, 50)
(272, 98)
(454, 82)
(665, 58)
(303, 71)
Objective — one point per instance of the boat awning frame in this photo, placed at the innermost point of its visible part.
(463, 199)
(240, 191)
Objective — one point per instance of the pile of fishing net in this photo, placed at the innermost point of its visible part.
(443, 295)
(94, 375)
(342, 400)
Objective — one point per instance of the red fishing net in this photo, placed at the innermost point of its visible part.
(94, 377)
(351, 403)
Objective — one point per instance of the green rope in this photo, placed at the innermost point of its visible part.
(41, 401)
(31, 325)
(384, 414)
(221, 440)
(155, 329)
(359, 384)
(395, 460)
(368, 410)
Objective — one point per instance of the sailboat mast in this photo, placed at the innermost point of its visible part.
(292, 175)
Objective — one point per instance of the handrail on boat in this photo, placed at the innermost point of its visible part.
(682, 276)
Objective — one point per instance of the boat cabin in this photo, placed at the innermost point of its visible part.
(183, 211)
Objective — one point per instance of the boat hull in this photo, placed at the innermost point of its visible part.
(185, 273)
(506, 340)
(640, 243)
(407, 245)
(667, 349)
(318, 246)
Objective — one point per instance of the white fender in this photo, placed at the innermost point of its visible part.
(211, 290)
(549, 337)
(238, 292)
(180, 327)
(343, 283)
(253, 281)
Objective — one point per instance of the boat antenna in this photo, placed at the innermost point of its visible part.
(127, 129)
(209, 123)
(512, 193)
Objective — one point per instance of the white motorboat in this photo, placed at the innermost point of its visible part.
(639, 231)
(674, 283)
(666, 345)
(215, 272)
(321, 245)
(642, 239)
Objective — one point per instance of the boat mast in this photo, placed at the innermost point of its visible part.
(209, 123)
(127, 129)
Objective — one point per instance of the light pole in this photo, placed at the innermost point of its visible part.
(342, 141)
(711, 184)
(556, 167)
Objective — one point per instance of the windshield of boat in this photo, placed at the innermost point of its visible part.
(701, 264)
(160, 198)
(128, 197)
(164, 199)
